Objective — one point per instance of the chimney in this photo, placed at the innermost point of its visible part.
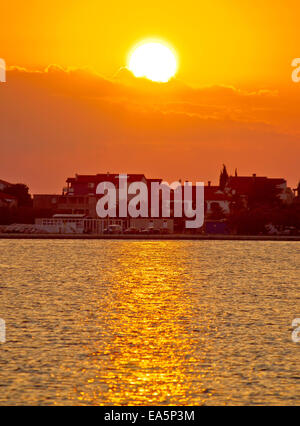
(254, 175)
(209, 183)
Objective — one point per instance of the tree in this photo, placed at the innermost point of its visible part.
(263, 194)
(217, 212)
(298, 189)
(254, 221)
(223, 178)
(249, 222)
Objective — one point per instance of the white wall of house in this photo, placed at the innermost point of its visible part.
(59, 226)
(71, 226)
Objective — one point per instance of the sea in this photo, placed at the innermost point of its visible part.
(146, 323)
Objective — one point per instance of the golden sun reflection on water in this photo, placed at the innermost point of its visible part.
(151, 354)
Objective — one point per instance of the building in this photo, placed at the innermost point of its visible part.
(70, 224)
(81, 224)
(74, 211)
(66, 204)
(86, 185)
(79, 197)
(259, 187)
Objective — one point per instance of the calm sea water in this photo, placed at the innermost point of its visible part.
(149, 323)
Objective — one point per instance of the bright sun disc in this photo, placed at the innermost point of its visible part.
(154, 61)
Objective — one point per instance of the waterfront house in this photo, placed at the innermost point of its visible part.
(260, 188)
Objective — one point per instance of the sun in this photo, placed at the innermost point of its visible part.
(154, 61)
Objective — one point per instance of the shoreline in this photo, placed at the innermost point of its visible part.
(184, 237)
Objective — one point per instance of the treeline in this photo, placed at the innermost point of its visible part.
(255, 220)
(24, 213)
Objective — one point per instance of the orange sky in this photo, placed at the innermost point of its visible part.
(54, 124)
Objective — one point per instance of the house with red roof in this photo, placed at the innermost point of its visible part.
(248, 186)
(87, 184)
(79, 196)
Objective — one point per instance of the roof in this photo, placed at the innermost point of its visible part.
(107, 177)
(244, 184)
(213, 193)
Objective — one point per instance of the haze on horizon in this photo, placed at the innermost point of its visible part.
(233, 100)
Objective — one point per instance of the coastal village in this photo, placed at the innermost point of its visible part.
(239, 205)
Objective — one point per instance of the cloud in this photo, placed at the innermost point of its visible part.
(56, 122)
